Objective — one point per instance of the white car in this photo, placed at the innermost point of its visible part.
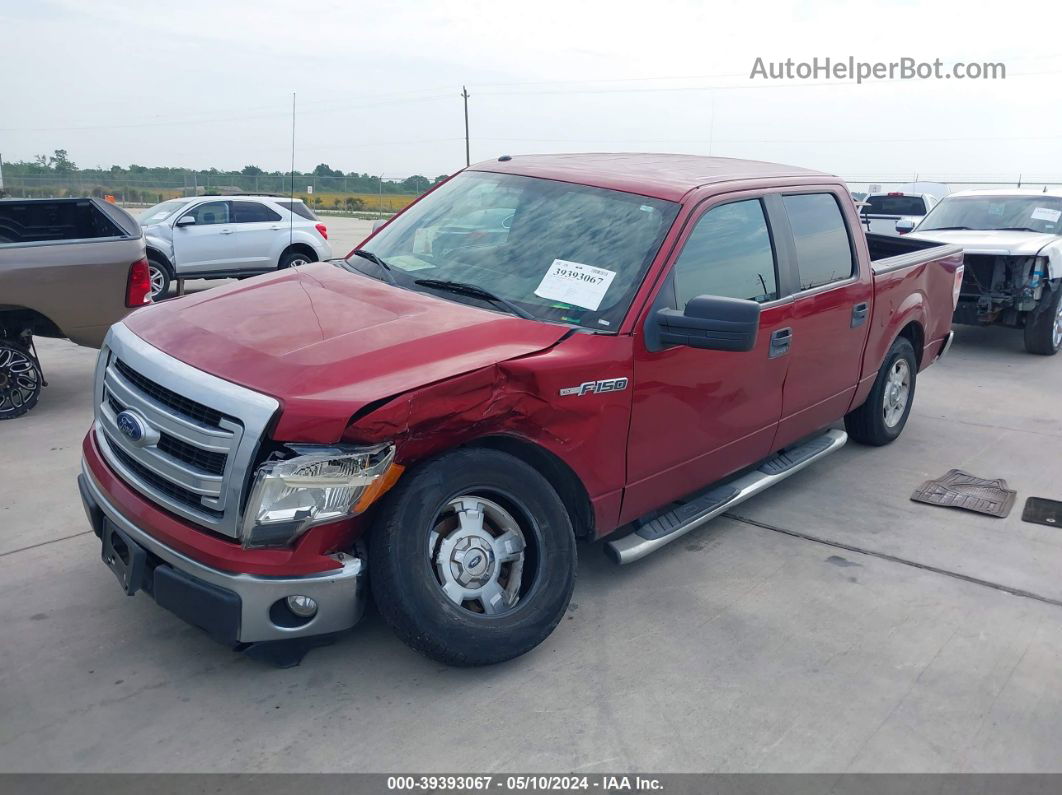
(217, 237)
(1012, 242)
(894, 213)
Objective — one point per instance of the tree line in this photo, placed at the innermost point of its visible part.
(59, 166)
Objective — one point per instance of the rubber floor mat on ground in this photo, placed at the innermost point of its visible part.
(959, 489)
(1041, 510)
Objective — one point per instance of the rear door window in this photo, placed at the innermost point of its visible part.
(823, 248)
(252, 212)
(728, 253)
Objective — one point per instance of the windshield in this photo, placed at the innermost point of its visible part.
(1035, 213)
(160, 212)
(561, 252)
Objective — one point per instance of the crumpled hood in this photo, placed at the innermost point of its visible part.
(982, 241)
(326, 342)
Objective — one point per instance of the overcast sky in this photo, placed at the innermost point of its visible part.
(208, 84)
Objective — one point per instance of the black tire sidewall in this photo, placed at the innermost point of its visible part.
(289, 256)
(1039, 332)
(405, 586)
(901, 348)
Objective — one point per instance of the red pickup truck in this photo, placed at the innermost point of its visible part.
(542, 349)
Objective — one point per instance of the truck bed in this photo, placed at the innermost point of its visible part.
(64, 266)
(889, 253)
(913, 280)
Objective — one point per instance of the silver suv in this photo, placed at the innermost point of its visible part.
(217, 237)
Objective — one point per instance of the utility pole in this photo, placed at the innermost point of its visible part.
(464, 95)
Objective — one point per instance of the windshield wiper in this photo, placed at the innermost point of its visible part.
(463, 288)
(388, 275)
(943, 228)
(1016, 229)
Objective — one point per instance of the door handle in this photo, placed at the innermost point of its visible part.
(781, 339)
(225, 232)
(276, 226)
(859, 314)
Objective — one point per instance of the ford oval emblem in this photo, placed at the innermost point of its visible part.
(131, 426)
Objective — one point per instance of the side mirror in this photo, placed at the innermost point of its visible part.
(379, 222)
(186, 220)
(712, 322)
(904, 225)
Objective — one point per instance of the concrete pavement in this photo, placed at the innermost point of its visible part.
(765, 643)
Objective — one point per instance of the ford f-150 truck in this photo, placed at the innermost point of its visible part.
(652, 340)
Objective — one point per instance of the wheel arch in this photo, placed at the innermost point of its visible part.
(302, 248)
(915, 333)
(561, 477)
(16, 319)
(155, 253)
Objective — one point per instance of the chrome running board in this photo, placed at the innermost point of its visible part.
(663, 529)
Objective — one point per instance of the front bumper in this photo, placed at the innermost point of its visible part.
(233, 608)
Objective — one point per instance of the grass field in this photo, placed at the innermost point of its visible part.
(387, 202)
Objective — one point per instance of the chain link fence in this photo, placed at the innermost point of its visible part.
(350, 194)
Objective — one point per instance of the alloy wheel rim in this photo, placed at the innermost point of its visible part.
(19, 380)
(158, 280)
(897, 392)
(477, 552)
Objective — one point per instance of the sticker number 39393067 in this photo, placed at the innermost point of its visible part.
(575, 283)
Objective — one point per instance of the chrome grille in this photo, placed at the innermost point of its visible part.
(202, 431)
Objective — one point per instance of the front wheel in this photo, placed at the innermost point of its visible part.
(884, 414)
(1043, 329)
(20, 380)
(472, 559)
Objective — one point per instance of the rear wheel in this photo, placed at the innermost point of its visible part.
(20, 380)
(1043, 329)
(295, 259)
(161, 277)
(472, 560)
(884, 414)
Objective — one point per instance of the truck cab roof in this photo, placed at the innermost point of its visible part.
(662, 176)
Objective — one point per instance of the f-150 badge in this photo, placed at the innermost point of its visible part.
(596, 387)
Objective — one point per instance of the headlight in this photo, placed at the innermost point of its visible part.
(320, 484)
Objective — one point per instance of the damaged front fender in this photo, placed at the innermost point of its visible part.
(530, 398)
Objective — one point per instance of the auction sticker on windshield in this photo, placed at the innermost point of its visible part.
(575, 283)
(1046, 214)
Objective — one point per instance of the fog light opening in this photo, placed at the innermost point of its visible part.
(302, 606)
(292, 612)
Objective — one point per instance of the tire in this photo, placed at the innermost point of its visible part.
(161, 277)
(1043, 329)
(425, 540)
(882, 417)
(294, 258)
(20, 380)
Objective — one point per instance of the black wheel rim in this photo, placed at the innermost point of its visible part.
(20, 379)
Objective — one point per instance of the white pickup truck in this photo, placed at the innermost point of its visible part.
(1013, 244)
(894, 213)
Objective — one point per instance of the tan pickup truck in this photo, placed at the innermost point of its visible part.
(68, 268)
